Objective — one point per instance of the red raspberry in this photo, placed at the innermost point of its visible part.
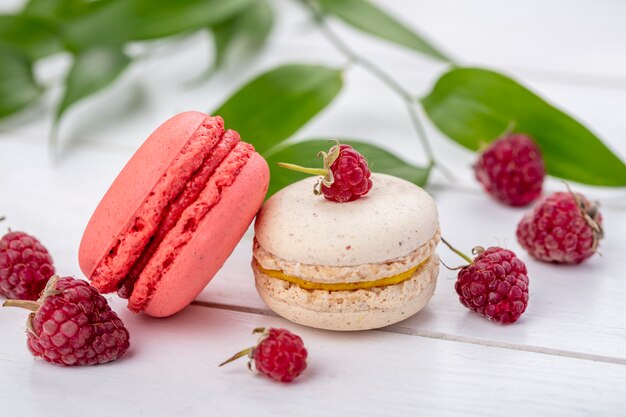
(494, 284)
(280, 354)
(511, 170)
(25, 266)
(351, 176)
(72, 324)
(345, 176)
(563, 228)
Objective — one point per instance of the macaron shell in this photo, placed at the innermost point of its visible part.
(213, 241)
(349, 310)
(392, 220)
(129, 190)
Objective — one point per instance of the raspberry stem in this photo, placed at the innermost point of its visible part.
(240, 354)
(298, 168)
(458, 252)
(27, 304)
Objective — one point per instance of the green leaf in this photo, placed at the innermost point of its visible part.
(251, 28)
(272, 107)
(34, 36)
(58, 10)
(166, 17)
(131, 20)
(17, 85)
(93, 70)
(305, 154)
(474, 106)
(367, 17)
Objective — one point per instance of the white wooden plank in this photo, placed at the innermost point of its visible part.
(172, 369)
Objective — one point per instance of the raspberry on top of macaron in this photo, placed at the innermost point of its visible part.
(345, 177)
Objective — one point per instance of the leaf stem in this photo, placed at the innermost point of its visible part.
(383, 76)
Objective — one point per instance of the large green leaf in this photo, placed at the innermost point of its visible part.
(473, 106)
(273, 106)
(365, 16)
(305, 154)
(93, 70)
(17, 84)
(34, 36)
(128, 20)
(251, 27)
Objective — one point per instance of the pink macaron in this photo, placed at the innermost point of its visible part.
(174, 214)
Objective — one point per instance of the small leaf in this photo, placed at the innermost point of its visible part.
(17, 85)
(92, 70)
(305, 154)
(272, 107)
(473, 106)
(251, 27)
(367, 17)
(34, 36)
(130, 20)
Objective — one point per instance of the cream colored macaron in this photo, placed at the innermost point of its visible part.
(359, 265)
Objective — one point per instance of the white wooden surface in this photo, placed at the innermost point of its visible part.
(566, 356)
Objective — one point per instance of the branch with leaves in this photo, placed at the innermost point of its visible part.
(471, 106)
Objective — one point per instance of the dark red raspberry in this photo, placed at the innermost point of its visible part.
(345, 176)
(72, 324)
(511, 170)
(495, 285)
(351, 176)
(280, 354)
(563, 228)
(25, 266)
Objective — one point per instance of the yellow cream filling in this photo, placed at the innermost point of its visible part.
(342, 286)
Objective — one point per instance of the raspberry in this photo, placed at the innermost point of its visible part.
(280, 354)
(345, 176)
(511, 170)
(25, 266)
(351, 176)
(72, 324)
(495, 285)
(563, 228)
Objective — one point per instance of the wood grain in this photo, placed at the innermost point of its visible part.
(172, 369)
